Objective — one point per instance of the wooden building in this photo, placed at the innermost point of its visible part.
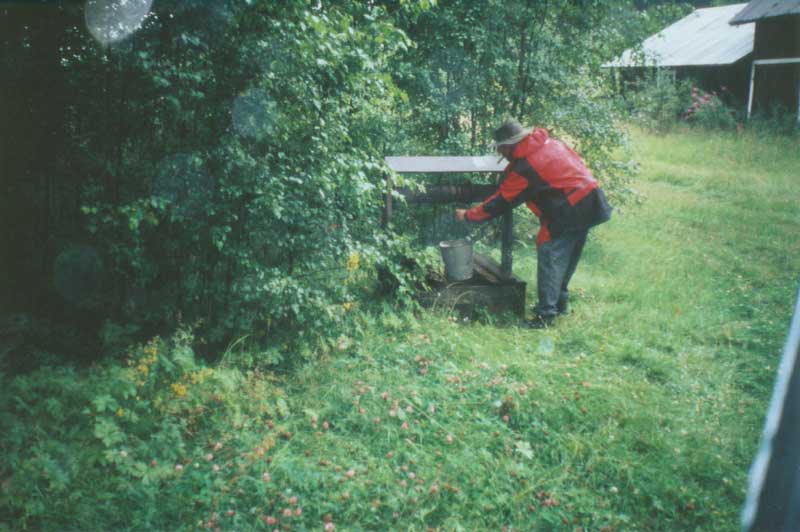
(775, 68)
(702, 46)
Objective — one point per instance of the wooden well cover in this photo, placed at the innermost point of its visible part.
(431, 164)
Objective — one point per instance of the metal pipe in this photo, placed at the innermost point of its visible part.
(750, 94)
(778, 61)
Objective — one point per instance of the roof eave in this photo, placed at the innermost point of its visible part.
(736, 21)
(678, 66)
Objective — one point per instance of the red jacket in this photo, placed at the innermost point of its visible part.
(553, 181)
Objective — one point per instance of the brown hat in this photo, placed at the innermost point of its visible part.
(510, 132)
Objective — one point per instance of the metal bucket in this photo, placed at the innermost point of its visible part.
(457, 256)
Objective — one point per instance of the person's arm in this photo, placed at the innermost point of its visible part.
(506, 197)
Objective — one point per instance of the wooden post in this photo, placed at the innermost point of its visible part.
(507, 241)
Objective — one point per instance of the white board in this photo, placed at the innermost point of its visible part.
(426, 164)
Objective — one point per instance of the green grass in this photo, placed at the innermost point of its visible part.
(639, 411)
(683, 305)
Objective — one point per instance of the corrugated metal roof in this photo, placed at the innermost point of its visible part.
(761, 9)
(703, 38)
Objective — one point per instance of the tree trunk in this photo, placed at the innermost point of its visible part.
(522, 59)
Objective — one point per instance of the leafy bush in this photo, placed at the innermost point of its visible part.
(248, 222)
(147, 434)
(657, 100)
(709, 111)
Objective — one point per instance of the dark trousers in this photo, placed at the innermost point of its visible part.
(557, 260)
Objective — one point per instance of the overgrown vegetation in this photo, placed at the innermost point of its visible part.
(223, 164)
(200, 208)
(640, 411)
(659, 102)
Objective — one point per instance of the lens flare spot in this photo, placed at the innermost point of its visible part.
(110, 21)
(254, 114)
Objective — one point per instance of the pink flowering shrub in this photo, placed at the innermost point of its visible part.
(708, 110)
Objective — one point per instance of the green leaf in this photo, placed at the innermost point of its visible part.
(524, 448)
(104, 403)
(108, 432)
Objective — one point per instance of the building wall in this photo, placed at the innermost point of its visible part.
(777, 38)
(730, 81)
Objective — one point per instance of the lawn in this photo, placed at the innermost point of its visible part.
(641, 410)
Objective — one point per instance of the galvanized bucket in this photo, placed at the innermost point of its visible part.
(457, 256)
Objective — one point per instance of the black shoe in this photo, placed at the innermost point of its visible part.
(561, 309)
(539, 322)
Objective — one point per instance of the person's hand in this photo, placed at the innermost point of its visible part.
(461, 214)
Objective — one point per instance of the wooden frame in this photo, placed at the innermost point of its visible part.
(467, 193)
(493, 286)
(781, 61)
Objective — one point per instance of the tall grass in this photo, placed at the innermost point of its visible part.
(643, 408)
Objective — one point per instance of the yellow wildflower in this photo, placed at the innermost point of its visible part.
(353, 261)
(179, 389)
(120, 412)
(198, 377)
(348, 305)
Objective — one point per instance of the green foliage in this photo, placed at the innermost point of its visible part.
(776, 120)
(252, 162)
(404, 268)
(657, 100)
(476, 63)
(222, 164)
(117, 435)
(659, 103)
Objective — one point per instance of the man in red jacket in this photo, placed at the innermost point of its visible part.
(554, 183)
